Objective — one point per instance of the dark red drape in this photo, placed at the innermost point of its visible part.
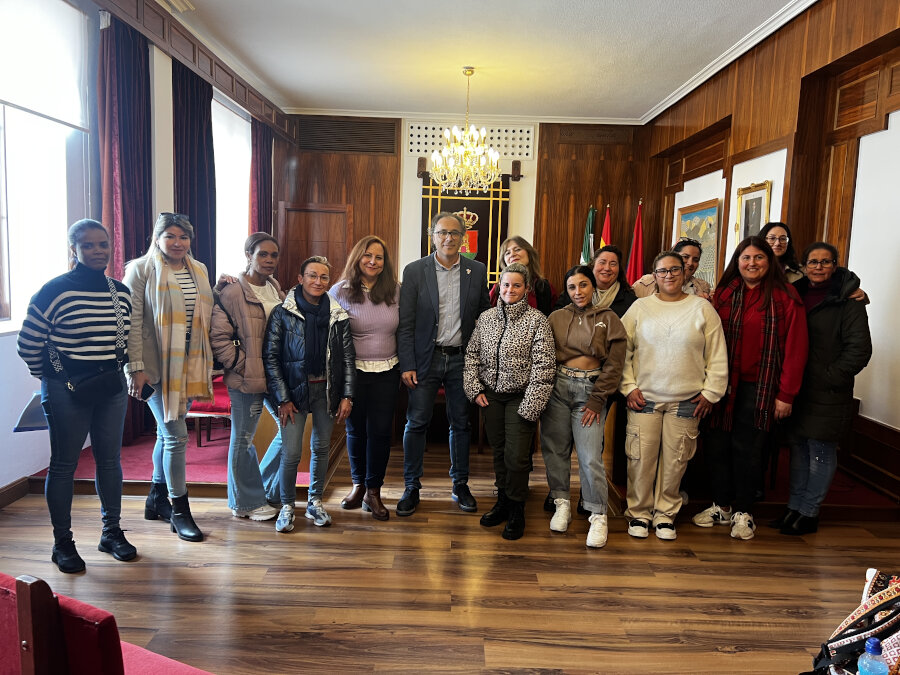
(261, 138)
(123, 102)
(195, 169)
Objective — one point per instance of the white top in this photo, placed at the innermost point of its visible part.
(675, 350)
(268, 296)
(189, 290)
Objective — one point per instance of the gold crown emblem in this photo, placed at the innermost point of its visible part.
(468, 217)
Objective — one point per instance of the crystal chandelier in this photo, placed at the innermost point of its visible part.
(465, 163)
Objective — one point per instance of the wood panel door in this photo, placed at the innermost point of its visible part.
(304, 230)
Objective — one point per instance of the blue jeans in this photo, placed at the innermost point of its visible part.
(70, 421)
(168, 452)
(813, 464)
(245, 484)
(560, 429)
(292, 446)
(369, 426)
(446, 370)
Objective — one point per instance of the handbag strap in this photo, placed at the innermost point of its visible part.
(235, 338)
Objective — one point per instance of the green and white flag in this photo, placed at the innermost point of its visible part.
(587, 245)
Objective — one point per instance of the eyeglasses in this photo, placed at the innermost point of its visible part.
(783, 239)
(664, 272)
(312, 276)
(825, 264)
(453, 234)
(687, 241)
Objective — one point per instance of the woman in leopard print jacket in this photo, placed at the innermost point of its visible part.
(509, 372)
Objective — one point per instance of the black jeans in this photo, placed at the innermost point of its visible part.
(369, 426)
(510, 437)
(735, 457)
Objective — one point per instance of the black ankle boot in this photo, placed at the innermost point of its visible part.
(785, 519)
(66, 557)
(182, 521)
(499, 512)
(515, 525)
(157, 506)
(801, 525)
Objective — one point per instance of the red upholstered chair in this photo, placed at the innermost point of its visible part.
(208, 411)
(43, 633)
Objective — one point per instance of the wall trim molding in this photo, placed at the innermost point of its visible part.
(13, 492)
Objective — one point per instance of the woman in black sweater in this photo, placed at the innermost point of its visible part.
(73, 339)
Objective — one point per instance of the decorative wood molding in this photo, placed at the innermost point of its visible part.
(13, 492)
(872, 455)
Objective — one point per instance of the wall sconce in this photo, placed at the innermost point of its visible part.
(516, 173)
(422, 167)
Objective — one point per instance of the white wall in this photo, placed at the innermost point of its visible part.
(757, 170)
(162, 135)
(873, 255)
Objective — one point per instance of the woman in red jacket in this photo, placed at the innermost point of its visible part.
(765, 333)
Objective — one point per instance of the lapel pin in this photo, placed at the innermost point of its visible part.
(468, 271)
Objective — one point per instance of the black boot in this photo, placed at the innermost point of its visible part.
(499, 512)
(182, 521)
(157, 505)
(66, 557)
(785, 519)
(801, 525)
(515, 525)
(113, 541)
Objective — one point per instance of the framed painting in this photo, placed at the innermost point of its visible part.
(752, 209)
(701, 222)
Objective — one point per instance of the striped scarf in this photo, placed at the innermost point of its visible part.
(770, 359)
(182, 379)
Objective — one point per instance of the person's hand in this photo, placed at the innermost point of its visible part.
(136, 382)
(703, 406)
(782, 409)
(226, 279)
(481, 400)
(859, 295)
(409, 379)
(286, 412)
(344, 409)
(636, 400)
(589, 417)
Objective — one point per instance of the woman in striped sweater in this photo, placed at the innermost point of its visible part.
(76, 327)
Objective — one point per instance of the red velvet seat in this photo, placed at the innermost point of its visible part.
(218, 408)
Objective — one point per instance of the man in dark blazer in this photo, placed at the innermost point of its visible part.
(441, 298)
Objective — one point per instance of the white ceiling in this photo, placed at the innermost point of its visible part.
(601, 61)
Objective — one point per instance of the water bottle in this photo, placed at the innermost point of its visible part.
(872, 662)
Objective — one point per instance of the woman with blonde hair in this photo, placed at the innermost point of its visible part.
(169, 353)
(541, 295)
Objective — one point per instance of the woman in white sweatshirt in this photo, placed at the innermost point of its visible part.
(676, 368)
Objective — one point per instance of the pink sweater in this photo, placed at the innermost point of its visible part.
(374, 327)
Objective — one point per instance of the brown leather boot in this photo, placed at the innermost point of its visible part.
(372, 502)
(354, 498)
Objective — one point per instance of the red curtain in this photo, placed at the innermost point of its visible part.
(195, 168)
(261, 139)
(123, 98)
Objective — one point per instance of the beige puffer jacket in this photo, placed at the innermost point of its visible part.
(248, 374)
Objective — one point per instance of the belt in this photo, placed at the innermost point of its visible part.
(450, 351)
(577, 372)
(315, 379)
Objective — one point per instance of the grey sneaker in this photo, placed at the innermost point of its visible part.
(264, 512)
(714, 515)
(316, 512)
(285, 522)
(742, 526)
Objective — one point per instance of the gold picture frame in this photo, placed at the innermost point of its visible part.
(754, 202)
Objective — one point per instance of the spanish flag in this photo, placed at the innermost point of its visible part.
(605, 237)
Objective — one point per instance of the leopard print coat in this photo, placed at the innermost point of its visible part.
(512, 350)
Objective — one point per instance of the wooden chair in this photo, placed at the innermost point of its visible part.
(208, 411)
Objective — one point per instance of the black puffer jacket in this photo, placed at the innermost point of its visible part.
(284, 356)
(839, 348)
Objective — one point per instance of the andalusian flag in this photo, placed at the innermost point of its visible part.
(605, 236)
(587, 244)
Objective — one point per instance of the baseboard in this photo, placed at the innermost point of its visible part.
(872, 456)
(14, 491)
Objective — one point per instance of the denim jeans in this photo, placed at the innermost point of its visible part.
(560, 429)
(245, 484)
(813, 464)
(510, 436)
(446, 370)
(292, 446)
(70, 421)
(369, 426)
(168, 452)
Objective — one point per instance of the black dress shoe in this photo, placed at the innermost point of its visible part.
(408, 502)
(786, 518)
(499, 512)
(115, 543)
(515, 525)
(463, 497)
(801, 525)
(549, 506)
(66, 557)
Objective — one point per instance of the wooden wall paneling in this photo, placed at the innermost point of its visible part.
(873, 455)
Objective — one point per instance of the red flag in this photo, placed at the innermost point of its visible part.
(605, 238)
(635, 269)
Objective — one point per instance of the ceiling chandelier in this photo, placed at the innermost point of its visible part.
(465, 163)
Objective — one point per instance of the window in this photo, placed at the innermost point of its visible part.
(232, 145)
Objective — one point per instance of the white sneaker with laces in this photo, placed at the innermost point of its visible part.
(665, 531)
(264, 512)
(316, 512)
(638, 528)
(562, 517)
(742, 526)
(285, 522)
(714, 515)
(596, 536)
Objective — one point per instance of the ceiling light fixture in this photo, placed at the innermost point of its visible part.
(465, 163)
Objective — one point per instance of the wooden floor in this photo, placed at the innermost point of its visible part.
(437, 592)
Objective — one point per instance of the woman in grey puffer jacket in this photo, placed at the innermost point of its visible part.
(509, 371)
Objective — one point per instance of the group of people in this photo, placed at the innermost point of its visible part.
(672, 351)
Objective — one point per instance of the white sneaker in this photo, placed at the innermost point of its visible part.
(285, 522)
(596, 536)
(714, 515)
(742, 526)
(638, 528)
(562, 517)
(665, 531)
(264, 512)
(316, 512)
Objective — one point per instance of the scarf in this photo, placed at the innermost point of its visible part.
(183, 376)
(603, 299)
(316, 331)
(770, 360)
